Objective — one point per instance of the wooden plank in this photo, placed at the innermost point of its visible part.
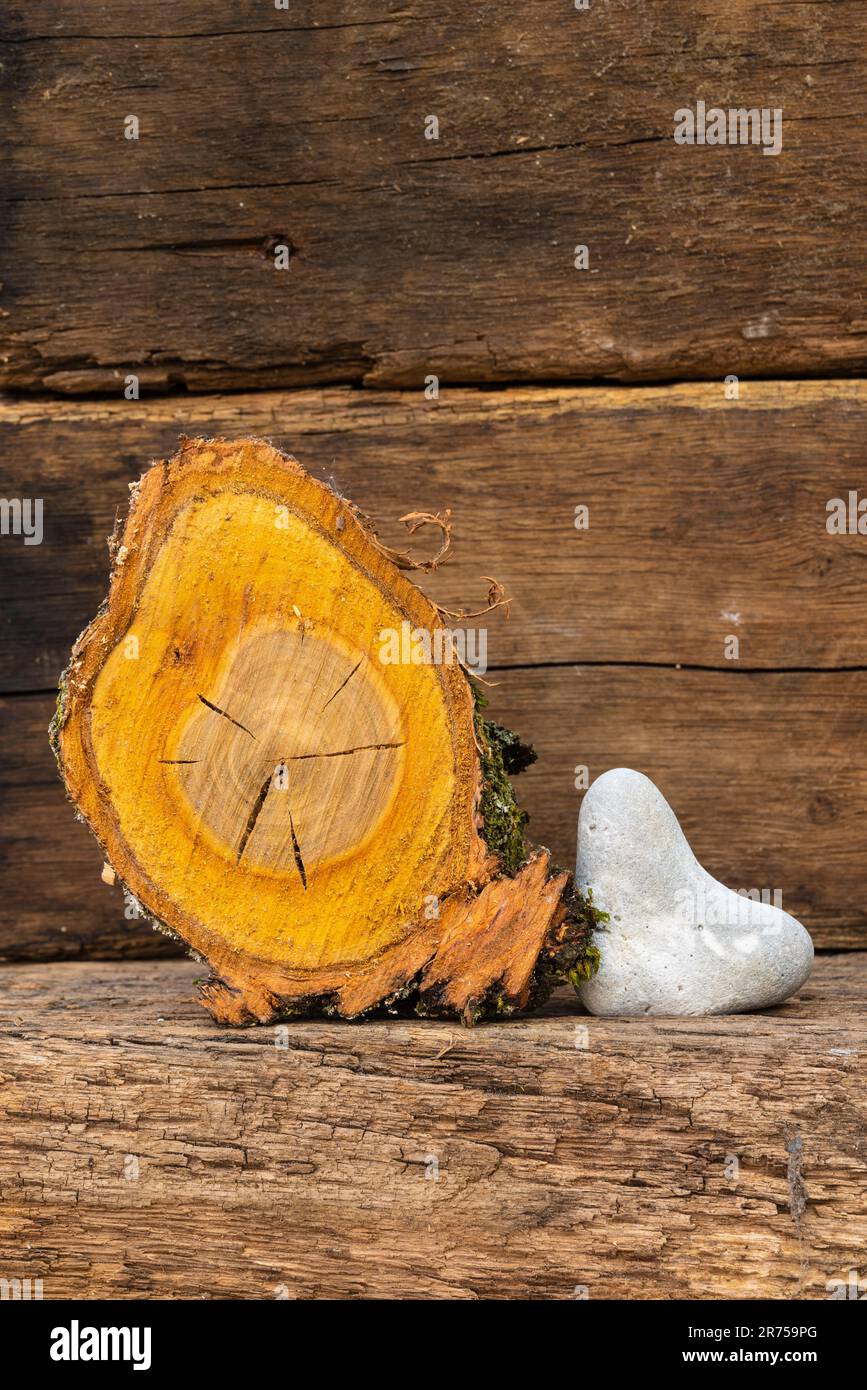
(411, 256)
(53, 903)
(765, 771)
(146, 1153)
(707, 516)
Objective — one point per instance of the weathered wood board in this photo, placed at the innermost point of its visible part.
(144, 1152)
(765, 770)
(53, 902)
(707, 517)
(707, 520)
(406, 256)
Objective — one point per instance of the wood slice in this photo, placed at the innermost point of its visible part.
(279, 775)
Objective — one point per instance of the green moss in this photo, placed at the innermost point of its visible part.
(588, 966)
(501, 753)
(572, 958)
(57, 719)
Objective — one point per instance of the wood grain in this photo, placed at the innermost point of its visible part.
(328, 830)
(53, 903)
(410, 256)
(144, 1152)
(765, 771)
(707, 517)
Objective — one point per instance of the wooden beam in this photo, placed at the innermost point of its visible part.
(409, 256)
(707, 517)
(54, 904)
(765, 771)
(153, 1155)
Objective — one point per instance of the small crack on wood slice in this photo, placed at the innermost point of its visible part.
(217, 710)
(296, 850)
(342, 684)
(342, 752)
(254, 815)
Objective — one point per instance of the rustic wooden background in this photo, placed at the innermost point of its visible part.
(410, 255)
(455, 257)
(411, 258)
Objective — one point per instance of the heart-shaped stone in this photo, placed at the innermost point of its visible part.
(677, 941)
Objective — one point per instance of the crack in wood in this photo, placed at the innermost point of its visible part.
(217, 710)
(341, 752)
(798, 1195)
(182, 36)
(263, 245)
(296, 850)
(537, 149)
(167, 192)
(585, 662)
(342, 684)
(254, 816)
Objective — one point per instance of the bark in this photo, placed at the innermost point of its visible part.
(280, 781)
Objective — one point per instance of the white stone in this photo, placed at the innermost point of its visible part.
(677, 942)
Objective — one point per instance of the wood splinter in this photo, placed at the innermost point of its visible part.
(333, 831)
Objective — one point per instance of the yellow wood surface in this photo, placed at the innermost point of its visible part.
(261, 780)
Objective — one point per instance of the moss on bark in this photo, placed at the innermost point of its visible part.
(501, 752)
(575, 958)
